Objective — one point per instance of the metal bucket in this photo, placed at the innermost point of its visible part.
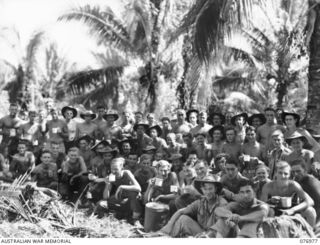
(156, 216)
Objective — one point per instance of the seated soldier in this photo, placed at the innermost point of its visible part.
(244, 214)
(45, 174)
(173, 147)
(282, 186)
(99, 172)
(121, 186)
(164, 186)
(188, 146)
(231, 180)
(187, 192)
(22, 161)
(219, 167)
(72, 180)
(202, 169)
(309, 183)
(131, 163)
(261, 178)
(145, 172)
(198, 218)
(176, 161)
(57, 156)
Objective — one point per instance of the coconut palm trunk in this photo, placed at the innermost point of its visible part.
(314, 75)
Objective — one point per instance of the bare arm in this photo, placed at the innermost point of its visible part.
(135, 185)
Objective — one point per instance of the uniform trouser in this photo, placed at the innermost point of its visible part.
(245, 230)
(185, 226)
(118, 204)
(135, 205)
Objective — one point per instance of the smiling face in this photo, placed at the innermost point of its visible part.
(68, 114)
(256, 122)
(297, 144)
(209, 190)
(201, 170)
(262, 174)
(22, 148)
(46, 158)
(277, 140)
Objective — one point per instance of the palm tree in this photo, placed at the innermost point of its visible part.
(23, 88)
(313, 31)
(140, 33)
(53, 72)
(214, 22)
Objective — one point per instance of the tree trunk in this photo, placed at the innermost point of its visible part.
(313, 109)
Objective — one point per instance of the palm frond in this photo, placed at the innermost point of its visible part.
(82, 81)
(32, 48)
(103, 24)
(214, 19)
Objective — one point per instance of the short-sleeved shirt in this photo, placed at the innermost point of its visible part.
(45, 174)
(205, 215)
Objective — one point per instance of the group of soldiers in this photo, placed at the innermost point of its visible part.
(220, 174)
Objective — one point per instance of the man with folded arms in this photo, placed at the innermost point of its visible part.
(244, 215)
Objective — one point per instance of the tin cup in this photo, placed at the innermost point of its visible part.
(158, 182)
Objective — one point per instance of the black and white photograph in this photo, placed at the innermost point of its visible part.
(157, 119)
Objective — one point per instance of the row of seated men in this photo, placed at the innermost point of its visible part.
(204, 200)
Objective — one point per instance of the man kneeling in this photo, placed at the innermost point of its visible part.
(181, 224)
(121, 187)
(244, 215)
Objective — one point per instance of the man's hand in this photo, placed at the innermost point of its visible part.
(287, 211)
(235, 218)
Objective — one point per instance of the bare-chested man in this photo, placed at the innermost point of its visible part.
(264, 131)
(282, 186)
(9, 124)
